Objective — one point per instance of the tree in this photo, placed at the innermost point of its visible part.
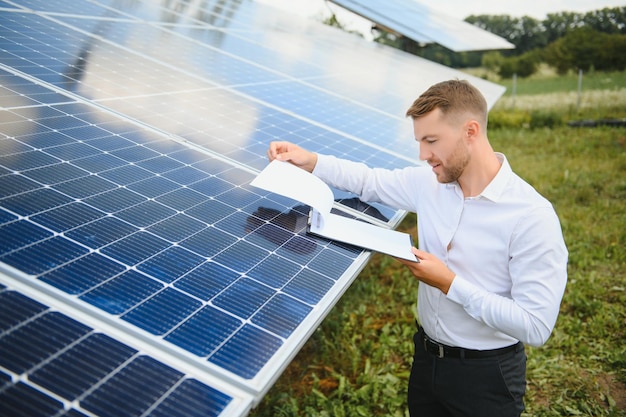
(607, 20)
(585, 48)
(524, 65)
(525, 33)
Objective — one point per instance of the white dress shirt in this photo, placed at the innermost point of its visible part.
(505, 246)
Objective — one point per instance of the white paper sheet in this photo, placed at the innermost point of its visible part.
(290, 181)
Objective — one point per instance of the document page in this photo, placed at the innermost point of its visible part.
(362, 234)
(290, 181)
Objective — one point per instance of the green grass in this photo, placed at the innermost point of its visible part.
(357, 362)
(545, 82)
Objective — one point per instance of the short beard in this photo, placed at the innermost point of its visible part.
(456, 164)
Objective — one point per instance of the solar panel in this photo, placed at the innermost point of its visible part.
(129, 134)
(423, 24)
(52, 364)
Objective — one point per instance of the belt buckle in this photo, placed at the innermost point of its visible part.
(440, 355)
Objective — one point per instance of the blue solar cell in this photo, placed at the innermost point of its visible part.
(23, 400)
(162, 312)
(206, 281)
(281, 315)
(242, 196)
(16, 308)
(247, 351)
(275, 271)
(330, 263)
(54, 174)
(160, 164)
(170, 264)
(122, 292)
(154, 186)
(213, 166)
(5, 380)
(135, 248)
(269, 236)
(243, 298)
(301, 249)
(11, 146)
(85, 186)
(241, 256)
(67, 216)
(177, 227)
(45, 138)
(185, 175)
(188, 156)
(82, 366)
(15, 184)
(146, 213)
(239, 224)
(109, 142)
(101, 232)
(181, 199)
(27, 160)
(83, 273)
(210, 211)
(211, 186)
(115, 200)
(72, 151)
(60, 122)
(132, 391)
(19, 234)
(135, 153)
(127, 174)
(192, 399)
(99, 163)
(205, 331)
(44, 256)
(28, 345)
(308, 286)
(5, 217)
(88, 133)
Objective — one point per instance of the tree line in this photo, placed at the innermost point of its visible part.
(594, 40)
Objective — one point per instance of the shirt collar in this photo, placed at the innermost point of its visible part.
(496, 187)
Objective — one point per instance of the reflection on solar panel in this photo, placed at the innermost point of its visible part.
(129, 134)
(419, 22)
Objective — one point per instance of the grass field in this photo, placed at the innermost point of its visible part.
(357, 363)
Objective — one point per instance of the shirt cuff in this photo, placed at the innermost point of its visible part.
(460, 291)
(321, 165)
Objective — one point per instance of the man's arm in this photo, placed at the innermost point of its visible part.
(538, 268)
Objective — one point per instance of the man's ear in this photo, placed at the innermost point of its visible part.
(472, 130)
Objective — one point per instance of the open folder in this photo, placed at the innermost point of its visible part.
(290, 181)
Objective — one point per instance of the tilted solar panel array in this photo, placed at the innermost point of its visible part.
(129, 134)
(424, 24)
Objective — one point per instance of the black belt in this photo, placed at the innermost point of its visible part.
(443, 351)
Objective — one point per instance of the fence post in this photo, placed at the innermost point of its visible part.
(514, 89)
(580, 87)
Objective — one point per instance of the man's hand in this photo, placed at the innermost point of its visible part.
(430, 270)
(287, 151)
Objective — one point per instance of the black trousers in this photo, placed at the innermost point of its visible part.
(455, 386)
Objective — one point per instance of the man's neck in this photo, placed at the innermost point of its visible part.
(479, 173)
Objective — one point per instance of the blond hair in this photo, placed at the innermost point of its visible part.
(454, 98)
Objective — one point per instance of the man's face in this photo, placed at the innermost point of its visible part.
(441, 145)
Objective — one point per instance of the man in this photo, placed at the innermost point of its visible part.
(493, 263)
